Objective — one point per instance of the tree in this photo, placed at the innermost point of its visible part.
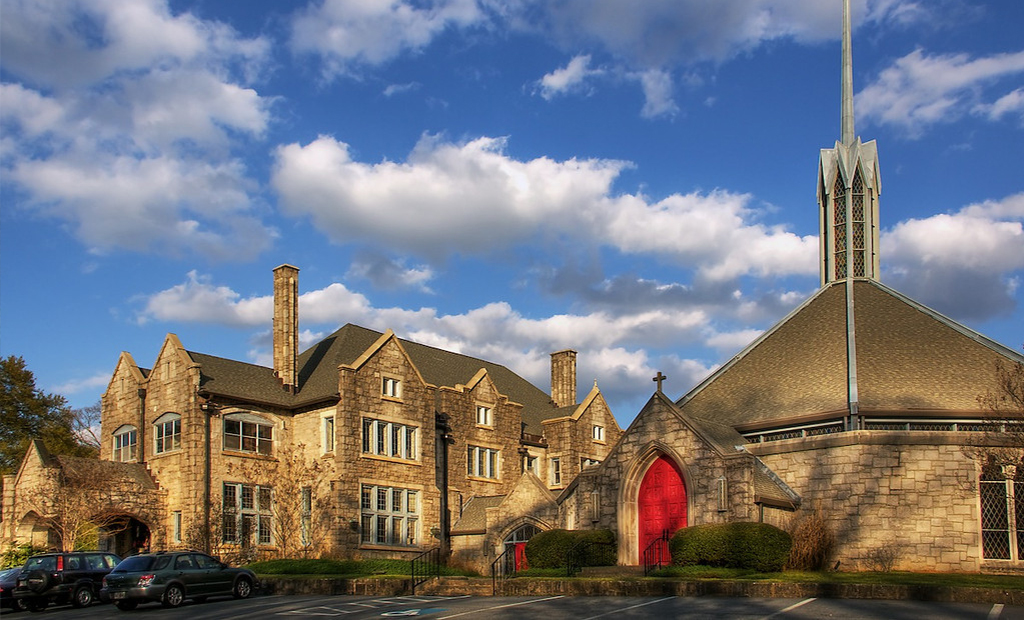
(87, 425)
(300, 500)
(27, 413)
(1006, 406)
(76, 498)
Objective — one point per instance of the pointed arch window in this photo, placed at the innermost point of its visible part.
(167, 433)
(839, 225)
(857, 223)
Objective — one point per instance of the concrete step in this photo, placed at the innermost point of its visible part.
(612, 571)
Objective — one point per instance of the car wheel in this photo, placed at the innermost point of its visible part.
(83, 597)
(18, 605)
(174, 596)
(126, 605)
(35, 604)
(243, 588)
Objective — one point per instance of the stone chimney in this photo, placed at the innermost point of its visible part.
(563, 378)
(286, 326)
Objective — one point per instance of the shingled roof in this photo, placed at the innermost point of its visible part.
(318, 374)
(908, 357)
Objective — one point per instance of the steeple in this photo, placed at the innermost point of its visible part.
(848, 188)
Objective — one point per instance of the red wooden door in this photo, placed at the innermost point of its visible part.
(661, 505)
(521, 563)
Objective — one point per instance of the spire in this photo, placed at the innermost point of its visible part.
(848, 190)
(847, 115)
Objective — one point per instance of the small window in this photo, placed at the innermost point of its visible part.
(391, 387)
(598, 433)
(531, 464)
(328, 439)
(176, 526)
(556, 471)
(126, 439)
(484, 416)
(587, 462)
(482, 462)
(167, 433)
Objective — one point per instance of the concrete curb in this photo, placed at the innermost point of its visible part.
(478, 586)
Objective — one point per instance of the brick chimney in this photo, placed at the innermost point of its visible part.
(563, 378)
(286, 326)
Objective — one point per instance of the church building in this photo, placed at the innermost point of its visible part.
(862, 406)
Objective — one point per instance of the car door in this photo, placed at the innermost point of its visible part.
(217, 580)
(188, 572)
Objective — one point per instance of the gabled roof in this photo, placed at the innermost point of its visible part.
(318, 374)
(907, 357)
(474, 514)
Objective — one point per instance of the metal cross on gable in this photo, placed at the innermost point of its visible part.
(658, 379)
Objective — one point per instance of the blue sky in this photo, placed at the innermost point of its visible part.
(504, 178)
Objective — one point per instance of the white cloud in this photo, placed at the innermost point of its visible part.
(390, 274)
(657, 87)
(128, 137)
(961, 263)
(616, 349)
(571, 78)
(919, 90)
(75, 386)
(472, 198)
(1010, 104)
(348, 34)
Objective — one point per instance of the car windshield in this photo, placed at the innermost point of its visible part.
(138, 563)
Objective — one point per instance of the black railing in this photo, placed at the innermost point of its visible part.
(503, 567)
(424, 567)
(577, 555)
(656, 555)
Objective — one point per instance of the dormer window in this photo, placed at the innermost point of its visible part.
(484, 416)
(391, 387)
(598, 433)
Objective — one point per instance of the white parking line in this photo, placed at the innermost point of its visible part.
(616, 611)
(355, 607)
(474, 611)
(997, 610)
(791, 608)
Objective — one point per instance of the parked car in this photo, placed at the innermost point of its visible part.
(59, 578)
(9, 579)
(172, 577)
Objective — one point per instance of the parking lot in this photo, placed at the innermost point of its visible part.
(575, 608)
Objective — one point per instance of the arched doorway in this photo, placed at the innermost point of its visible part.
(661, 503)
(125, 535)
(516, 541)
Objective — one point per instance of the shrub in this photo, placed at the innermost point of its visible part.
(813, 542)
(17, 555)
(756, 546)
(549, 549)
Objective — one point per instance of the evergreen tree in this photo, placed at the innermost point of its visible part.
(27, 413)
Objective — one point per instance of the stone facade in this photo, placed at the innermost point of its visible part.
(360, 426)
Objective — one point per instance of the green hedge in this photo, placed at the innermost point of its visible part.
(548, 549)
(757, 546)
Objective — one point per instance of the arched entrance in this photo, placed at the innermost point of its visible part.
(661, 503)
(517, 542)
(125, 536)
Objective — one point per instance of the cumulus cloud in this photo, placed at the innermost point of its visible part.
(920, 90)
(350, 34)
(961, 263)
(621, 350)
(389, 273)
(472, 198)
(657, 87)
(124, 123)
(569, 79)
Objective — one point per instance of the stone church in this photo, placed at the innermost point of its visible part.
(861, 406)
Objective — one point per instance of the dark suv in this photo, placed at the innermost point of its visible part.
(73, 577)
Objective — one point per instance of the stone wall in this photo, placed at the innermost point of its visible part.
(910, 495)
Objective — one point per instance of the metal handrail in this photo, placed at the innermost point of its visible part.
(429, 563)
(503, 567)
(654, 556)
